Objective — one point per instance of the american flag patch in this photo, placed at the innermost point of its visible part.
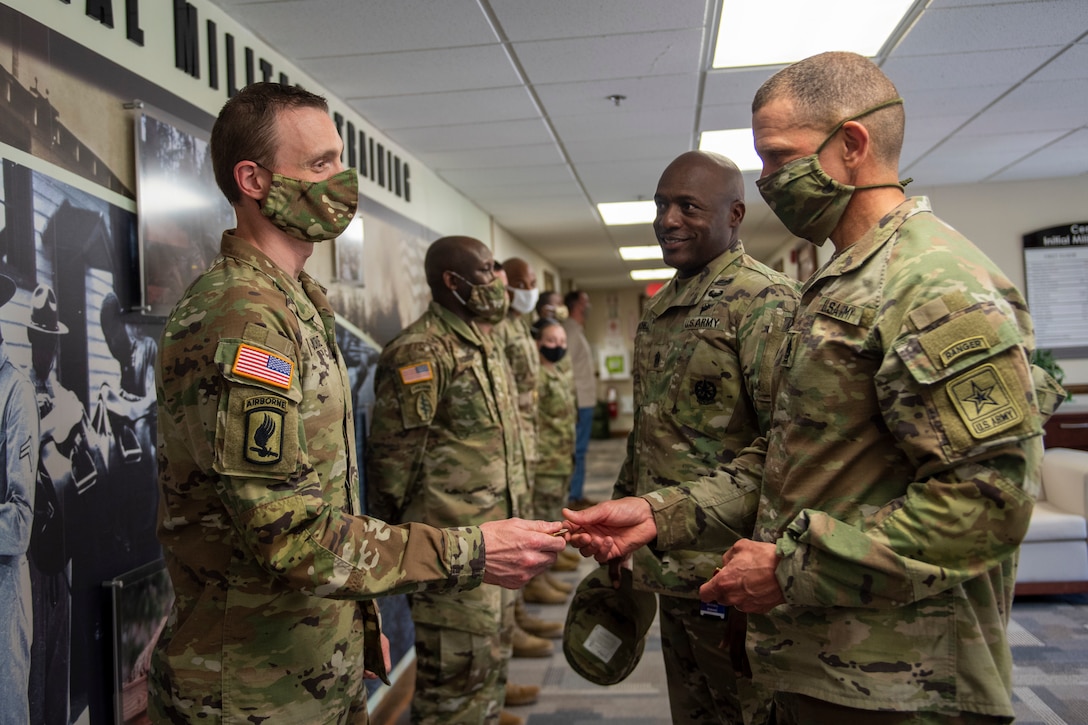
(257, 364)
(420, 373)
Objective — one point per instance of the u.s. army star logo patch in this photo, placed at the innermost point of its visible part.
(983, 402)
(264, 429)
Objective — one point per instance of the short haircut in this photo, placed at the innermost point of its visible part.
(542, 301)
(571, 298)
(245, 129)
(540, 325)
(831, 87)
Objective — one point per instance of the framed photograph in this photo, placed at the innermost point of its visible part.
(140, 601)
(348, 251)
(806, 260)
(182, 213)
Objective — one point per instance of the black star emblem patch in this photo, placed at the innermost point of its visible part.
(981, 397)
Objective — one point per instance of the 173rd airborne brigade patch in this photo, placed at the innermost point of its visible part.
(264, 414)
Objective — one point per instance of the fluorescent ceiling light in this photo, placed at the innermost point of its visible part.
(642, 275)
(627, 212)
(776, 32)
(645, 251)
(736, 144)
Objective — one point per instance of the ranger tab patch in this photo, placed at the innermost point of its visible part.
(418, 373)
(983, 402)
(264, 429)
(267, 367)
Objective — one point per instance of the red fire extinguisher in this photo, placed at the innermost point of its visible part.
(613, 403)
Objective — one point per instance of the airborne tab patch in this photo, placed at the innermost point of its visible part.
(264, 429)
(418, 373)
(267, 367)
(983, 402)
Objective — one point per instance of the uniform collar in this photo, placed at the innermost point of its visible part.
(467, 330)
(873, 240)
(304, 296)
(691, 290)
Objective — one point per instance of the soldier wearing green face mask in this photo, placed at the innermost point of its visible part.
(901, 466)
(444, 449)
(273, 565)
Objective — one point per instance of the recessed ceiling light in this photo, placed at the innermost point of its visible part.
(736, 143)
(800, 28)
(627, 212)
(645, 251)
(641, 275)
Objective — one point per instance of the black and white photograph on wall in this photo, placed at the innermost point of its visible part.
(182, 213)
(348, 250)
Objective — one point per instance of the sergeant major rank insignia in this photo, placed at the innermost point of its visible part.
(264, 429)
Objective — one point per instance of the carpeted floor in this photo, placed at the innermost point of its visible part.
(1049, 637)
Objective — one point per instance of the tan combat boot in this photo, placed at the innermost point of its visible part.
(521, 694)
(539, 591)
(527, 645)
(535, 626)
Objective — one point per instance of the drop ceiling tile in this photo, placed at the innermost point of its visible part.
(485, 191)
(455, 107)
(339, 27)
(734, 85)
(723, 117)
(995, 27)
(922, 104)
(576, 18)
(623, 180)
(1067, 156)
(472, 136)
(611, 56)
(921, 138)
(1069, 65)
(911, 73)
(621, 124)
(634, 147)
(491, 178)
(975, 159)
(1045, 106)
(641, 94)
(496, 157)
(414, 72)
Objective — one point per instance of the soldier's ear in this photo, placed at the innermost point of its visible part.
(252, 180)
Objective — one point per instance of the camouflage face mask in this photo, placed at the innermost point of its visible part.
(808, 201)
(313, 211)
(486, 301)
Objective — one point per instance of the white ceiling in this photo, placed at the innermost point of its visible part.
(507, 100)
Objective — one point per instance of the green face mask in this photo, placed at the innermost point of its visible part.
(486, 301)
(808, 201)
(313, 211)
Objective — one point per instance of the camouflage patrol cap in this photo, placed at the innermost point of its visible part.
(606, 627)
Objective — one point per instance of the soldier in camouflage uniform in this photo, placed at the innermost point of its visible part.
(258, 473)
(444, 450)
(902, 464)
(704, 359)
(558, 414)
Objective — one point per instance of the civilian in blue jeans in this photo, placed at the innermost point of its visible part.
(585, 387)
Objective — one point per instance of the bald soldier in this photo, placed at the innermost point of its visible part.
(272, 564)
(704, 359)
(902, 464)
(444, 450)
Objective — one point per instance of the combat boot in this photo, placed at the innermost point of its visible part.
(509, 718)
(535, 626)
(557, 583)
(538, 591)
(521, 694)
(527, 645)
(567, 561)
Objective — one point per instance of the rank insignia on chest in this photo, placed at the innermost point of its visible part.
(264, 429)
(705, 391)
(418, 373)
(267, 367)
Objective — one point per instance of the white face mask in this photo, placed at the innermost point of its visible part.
(524, 300)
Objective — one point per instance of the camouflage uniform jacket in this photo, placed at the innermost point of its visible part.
(704, 360)
(517, 342)
(258, 481)
(558, 414)
(443, 446)
(901, 471)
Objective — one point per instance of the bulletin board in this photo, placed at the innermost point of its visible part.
(1055, 271)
